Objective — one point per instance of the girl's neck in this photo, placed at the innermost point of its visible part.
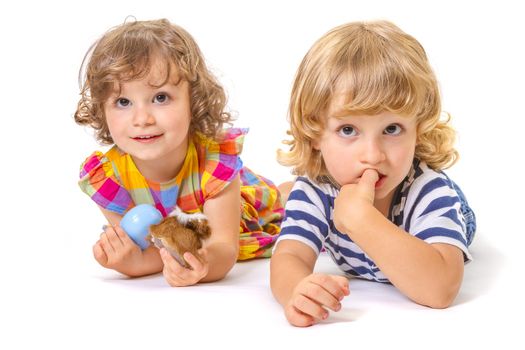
(162, 169)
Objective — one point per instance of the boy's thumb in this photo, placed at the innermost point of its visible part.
(369, 178)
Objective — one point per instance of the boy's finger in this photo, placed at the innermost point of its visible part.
(334, 286)
(309, 307)
(343, 283)
(298, 318)
(369, 178)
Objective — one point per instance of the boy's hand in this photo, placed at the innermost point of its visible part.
(178, 276)
(115, 250)
(353, 200)
(312, 296)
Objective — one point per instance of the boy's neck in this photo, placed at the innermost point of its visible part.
(383, 204)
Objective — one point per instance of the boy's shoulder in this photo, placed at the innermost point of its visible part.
(424, 184)
(320, 186)
(423, 177)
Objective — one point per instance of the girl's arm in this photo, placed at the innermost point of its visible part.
(223, 213)
(304, 296)
(429, 274)
(115, 250)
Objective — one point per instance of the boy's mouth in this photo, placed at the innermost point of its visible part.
(381, 180)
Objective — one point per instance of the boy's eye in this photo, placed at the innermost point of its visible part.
(347, 130)
(122, 102)
(393, 129)
(161, 98)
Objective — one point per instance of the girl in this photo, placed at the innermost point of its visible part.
(147, 91)
(369, 146)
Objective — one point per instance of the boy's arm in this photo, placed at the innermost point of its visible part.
(303, 295)
(116, 250)
(429, 274)
(290, 263)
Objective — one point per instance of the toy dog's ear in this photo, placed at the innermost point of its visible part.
(200, 227)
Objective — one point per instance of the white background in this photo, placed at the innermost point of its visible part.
(53, 294)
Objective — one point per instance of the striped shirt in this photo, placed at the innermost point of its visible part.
(427, 204)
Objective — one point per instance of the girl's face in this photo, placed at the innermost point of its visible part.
(384, 142)
(151, 123)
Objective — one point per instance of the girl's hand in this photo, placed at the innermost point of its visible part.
(313, 296)
(354, 200)
(178, 276)
(115, 250)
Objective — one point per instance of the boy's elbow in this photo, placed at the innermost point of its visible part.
(441, 299)
(440, 303)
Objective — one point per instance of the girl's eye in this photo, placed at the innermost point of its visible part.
(161, 98)
(347, 130)
(122, 102)
(393, 129)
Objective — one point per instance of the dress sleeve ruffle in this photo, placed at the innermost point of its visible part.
(98, 181)
(222, 161)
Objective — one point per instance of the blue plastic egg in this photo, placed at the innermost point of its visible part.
(137, 221)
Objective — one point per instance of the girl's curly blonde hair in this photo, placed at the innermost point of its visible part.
(128, 52)
(380, 68)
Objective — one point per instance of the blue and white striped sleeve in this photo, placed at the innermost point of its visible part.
(305, 218)
(433, 213)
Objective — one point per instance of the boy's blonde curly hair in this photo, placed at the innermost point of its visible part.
(380, 68)
(128, 52)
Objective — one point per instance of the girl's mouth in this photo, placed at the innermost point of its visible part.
(146, 138)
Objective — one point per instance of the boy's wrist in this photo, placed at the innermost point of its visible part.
(359, 220)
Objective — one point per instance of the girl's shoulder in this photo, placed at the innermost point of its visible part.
(99, 163)
(99, 179)
(219, 159)
(228, 142)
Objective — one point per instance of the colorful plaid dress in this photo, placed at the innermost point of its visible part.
(114, 183)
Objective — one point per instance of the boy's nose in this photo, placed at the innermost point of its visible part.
(142, 117)
(372, 152)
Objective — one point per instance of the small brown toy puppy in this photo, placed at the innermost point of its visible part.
(179, 233)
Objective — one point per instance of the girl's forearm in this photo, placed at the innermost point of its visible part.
(151, 263)
(221, 259)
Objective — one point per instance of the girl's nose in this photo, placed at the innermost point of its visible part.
(372, 152)
(143, 117)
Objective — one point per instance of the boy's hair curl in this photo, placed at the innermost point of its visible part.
(128, 52)
(379, 68)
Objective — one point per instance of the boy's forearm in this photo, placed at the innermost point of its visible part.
(221, 259)
(286, 271)
(415, 267)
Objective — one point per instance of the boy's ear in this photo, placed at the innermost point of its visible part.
(316, 144)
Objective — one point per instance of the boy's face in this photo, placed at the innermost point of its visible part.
(151, 123)
(351, 144)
